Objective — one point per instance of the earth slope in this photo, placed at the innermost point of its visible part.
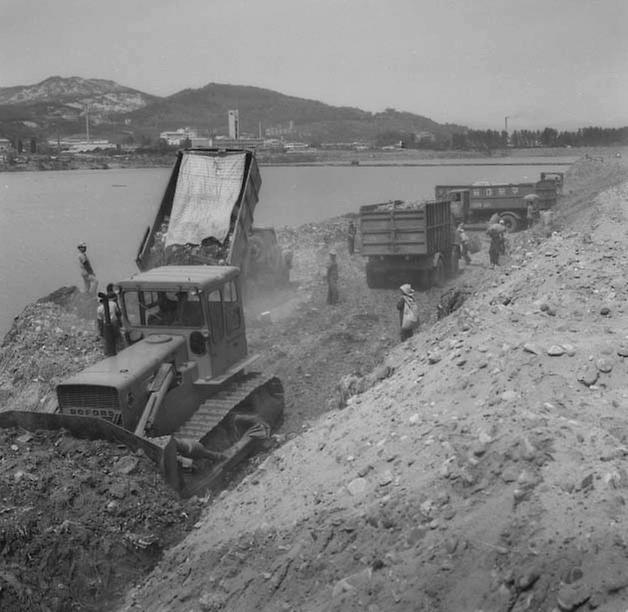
(488, 472)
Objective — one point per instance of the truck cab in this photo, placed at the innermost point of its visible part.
(201, 304)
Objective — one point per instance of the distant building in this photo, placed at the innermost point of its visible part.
(284, 129)
(234, 124)
(292, 147)
(425, 136)
(221, 142)
(179, 136)
(81, 145)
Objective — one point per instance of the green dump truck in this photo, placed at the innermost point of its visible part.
(408, 242)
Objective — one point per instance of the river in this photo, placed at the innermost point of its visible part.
(44, 215)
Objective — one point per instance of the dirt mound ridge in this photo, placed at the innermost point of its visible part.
(488, 472)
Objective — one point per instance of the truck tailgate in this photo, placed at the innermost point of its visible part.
(397, 232)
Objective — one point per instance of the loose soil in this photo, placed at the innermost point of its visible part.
(478, 466)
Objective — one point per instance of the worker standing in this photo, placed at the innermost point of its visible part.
(464, 244)
(408, 312)
(87, 272)
(351, 238)
(493, 251)
(502, 238)
(530, 214)
(109, 320)
(332, 279)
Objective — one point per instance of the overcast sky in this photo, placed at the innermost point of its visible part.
(541, 62)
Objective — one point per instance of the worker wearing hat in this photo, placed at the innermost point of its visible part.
(408, 312)
(332, 278)
(87, 272)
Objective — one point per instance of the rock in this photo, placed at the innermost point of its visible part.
(510, 473)
(604, 365)
(622, 351)
(588, 375)
(361, 579)
(24, 438)
(385, 478)
(569, 349)
(357, 486)
(570, 596)
(528, 579)
(126, 465)
(531, 348)
(509, 395)
(479, 449)
(605, 311)
(433, 358)
(527, 449)
(556, 350)
(341, 587)
(451, 544)
(586, 484)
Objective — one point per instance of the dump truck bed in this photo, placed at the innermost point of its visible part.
(402, 228)
(208, 203)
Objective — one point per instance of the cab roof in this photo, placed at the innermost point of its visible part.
(180, 278)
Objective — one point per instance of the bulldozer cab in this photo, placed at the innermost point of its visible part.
(200, 303)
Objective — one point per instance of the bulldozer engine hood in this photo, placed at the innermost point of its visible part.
(133, 363)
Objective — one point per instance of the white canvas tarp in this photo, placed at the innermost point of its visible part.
(207, 190)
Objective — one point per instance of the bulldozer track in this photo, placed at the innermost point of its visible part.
(210, 414)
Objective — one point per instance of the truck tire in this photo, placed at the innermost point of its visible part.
(511, 221)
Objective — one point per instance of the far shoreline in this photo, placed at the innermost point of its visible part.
(400, 158)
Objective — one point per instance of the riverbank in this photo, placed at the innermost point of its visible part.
(397, 157)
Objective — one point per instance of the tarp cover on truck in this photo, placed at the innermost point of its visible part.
(207, 191)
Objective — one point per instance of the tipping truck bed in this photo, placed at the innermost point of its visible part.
(206, 212)
(407, 242)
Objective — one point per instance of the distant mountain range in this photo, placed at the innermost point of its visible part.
(57, 107)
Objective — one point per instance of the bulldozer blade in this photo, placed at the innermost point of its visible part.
(93, 428)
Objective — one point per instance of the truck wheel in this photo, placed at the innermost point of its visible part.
(511, 221)
(438, 273)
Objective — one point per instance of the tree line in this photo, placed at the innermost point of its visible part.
(488, 140)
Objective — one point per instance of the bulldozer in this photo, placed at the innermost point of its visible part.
(183, 391)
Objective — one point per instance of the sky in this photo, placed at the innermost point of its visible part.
(562, 63)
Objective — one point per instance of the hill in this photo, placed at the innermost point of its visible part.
(312, 120)
(57, 106)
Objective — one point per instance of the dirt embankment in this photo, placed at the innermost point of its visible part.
(488, 472)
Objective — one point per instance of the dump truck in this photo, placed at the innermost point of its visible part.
(206, 218)
(408, 242)
(184, 391)
(478, 202)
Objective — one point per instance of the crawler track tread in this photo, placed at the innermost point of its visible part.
(214, 410)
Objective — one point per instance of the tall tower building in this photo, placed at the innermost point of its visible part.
(234, 124)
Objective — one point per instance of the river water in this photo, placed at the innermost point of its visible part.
(44, 215)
